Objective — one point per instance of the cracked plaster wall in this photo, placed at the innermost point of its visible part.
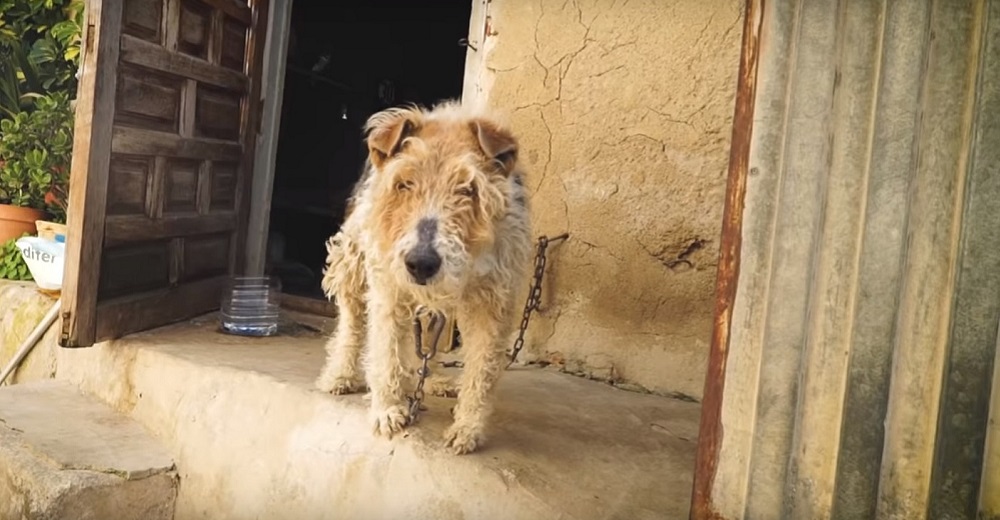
(624, 111)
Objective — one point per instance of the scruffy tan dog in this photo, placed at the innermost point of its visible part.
(440, 220)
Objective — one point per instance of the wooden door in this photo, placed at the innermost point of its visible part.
(166, 120)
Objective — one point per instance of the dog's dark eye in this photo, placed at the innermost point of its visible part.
(403, 186)
(466, 191)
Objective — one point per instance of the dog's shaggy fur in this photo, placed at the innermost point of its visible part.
(439, 219)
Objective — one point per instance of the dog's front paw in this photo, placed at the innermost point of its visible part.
(389, 420)
(339, 385)
(462, 439)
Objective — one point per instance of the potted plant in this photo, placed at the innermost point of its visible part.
(39, 60)
(35, 152)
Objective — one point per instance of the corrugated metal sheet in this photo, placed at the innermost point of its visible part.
(863, 333)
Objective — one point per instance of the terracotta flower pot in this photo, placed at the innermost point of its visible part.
(16, 221)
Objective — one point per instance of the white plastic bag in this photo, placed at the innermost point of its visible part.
(45, 259)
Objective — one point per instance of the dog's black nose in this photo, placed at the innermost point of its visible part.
(422, 263)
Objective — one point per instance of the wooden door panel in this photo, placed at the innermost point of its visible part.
(162, 195)
(143, 20)
(147, 99)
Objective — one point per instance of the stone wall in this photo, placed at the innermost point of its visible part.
(22, 308)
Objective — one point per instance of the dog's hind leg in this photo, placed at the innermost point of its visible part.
(485, 328)
(344, 281)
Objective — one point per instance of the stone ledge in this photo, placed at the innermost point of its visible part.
(253, 440)
(63, 455)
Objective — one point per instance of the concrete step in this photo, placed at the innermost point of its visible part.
(66, 455)
(252, 439)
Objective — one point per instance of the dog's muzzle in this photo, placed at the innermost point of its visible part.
(422, 262)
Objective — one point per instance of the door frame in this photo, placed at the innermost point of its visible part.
(266, 152)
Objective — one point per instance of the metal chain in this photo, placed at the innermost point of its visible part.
(534, 301)
(436, 327)
(437, 322)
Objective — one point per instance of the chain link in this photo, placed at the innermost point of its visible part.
(534, 301)
(437, 322)
(436, 327)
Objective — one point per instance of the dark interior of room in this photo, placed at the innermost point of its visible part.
(346, 61)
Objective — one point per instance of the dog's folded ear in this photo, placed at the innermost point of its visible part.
(386, 131)
(497, 143)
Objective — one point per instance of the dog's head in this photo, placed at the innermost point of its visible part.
(442, 181)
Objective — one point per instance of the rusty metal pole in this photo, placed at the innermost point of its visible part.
(710, 433)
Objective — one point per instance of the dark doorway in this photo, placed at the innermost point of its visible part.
(346, 61)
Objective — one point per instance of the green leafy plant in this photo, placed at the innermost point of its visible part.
(39, 50)
(12, 266)
(35, 152)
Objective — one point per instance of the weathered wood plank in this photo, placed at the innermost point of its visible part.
(91, 164)
(154, 190)
(215, 38)
(123, 229)
(188, 108)
(134, 313)
(148, 142)
(204, 196)
(232, 8)
(150, 55)
(176, 260)
(169, 24)
(250, 126)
